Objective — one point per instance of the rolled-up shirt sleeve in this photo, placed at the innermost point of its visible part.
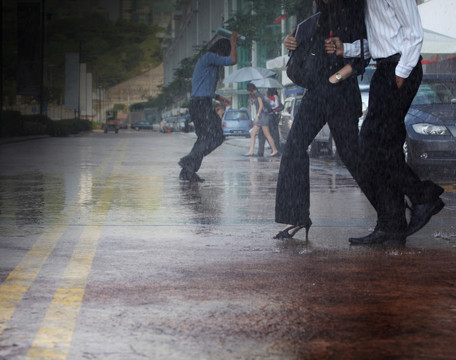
(352, 56)
(412, 36)
(354, 49)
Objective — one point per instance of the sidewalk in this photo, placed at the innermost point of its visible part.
(17, 139)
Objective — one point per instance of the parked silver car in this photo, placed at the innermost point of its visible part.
(237, 122)
(364, 87)
(322, 144)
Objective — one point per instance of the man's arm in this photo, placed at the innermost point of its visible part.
(223, 100)
(409, 18)
(347, 50)
(233, 41)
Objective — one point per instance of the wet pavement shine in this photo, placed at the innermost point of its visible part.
(105, 254)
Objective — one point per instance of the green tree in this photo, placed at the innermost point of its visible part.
(114, 52)
(256, 21)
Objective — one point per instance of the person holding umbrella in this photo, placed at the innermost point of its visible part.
(274, 119)
(261, 120)
(208, 127)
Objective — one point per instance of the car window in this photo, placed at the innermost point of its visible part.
(364, 80)
(288, 106)
(437, 92)
(296, 108)
(236, 115)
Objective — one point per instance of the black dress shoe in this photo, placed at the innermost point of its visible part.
(183, 175)
(422, 213)
(378, 237)
(192, 177)
(195, 178)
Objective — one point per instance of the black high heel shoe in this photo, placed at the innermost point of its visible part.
(291, 231)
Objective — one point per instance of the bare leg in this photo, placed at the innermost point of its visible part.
(252, 139)
(268, 136)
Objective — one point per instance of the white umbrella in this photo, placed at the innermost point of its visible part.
(435, 43)
(248, 73)
(267, 83)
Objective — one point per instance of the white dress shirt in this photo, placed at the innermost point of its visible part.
(352, 50)
(394, 27)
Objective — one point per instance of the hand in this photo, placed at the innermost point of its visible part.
(334, 45)
(224, 101)
(399, 81)
(290, 42)
(234, 36)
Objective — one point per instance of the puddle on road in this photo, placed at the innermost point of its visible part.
(296, 307)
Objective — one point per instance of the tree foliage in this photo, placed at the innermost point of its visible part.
(257, 22)
(113, 51)
(180, 85)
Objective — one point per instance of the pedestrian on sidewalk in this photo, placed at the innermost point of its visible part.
(274, 119)
(208, 127)
(395, 37)
(261, 119)
(336, 100)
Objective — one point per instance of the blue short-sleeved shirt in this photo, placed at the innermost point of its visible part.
(204, 79)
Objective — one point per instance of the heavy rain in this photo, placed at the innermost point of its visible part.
(138, 222)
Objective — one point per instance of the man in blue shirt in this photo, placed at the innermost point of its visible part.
(208, 126)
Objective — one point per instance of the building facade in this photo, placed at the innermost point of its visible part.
(194, 25)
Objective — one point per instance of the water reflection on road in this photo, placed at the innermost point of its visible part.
(100, 237)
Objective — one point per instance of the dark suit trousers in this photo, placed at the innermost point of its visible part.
(383, 174)
(208, 129)
(338, 105)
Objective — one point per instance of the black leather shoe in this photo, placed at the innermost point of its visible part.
(378, 237)
(183, 175)
(192, 177)
(422, 213)
(195, 178)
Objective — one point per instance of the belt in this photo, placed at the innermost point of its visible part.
(390, 59)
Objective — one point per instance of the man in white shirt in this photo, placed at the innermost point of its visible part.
(395, 36)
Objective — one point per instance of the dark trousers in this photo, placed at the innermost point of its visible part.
(274, 130)
(383, 174)
(317, 108)
(208, 129)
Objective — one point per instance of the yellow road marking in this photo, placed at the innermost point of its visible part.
(53, 339)
(449, 188)
(18, 282)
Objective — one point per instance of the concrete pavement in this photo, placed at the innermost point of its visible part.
(104, 254)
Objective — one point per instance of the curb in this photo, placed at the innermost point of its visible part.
(17, 139)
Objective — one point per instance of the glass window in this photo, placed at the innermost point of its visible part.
(436, 92)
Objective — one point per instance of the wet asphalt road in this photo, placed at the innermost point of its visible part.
(104, 254)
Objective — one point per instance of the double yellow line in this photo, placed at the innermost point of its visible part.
(54, 336)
